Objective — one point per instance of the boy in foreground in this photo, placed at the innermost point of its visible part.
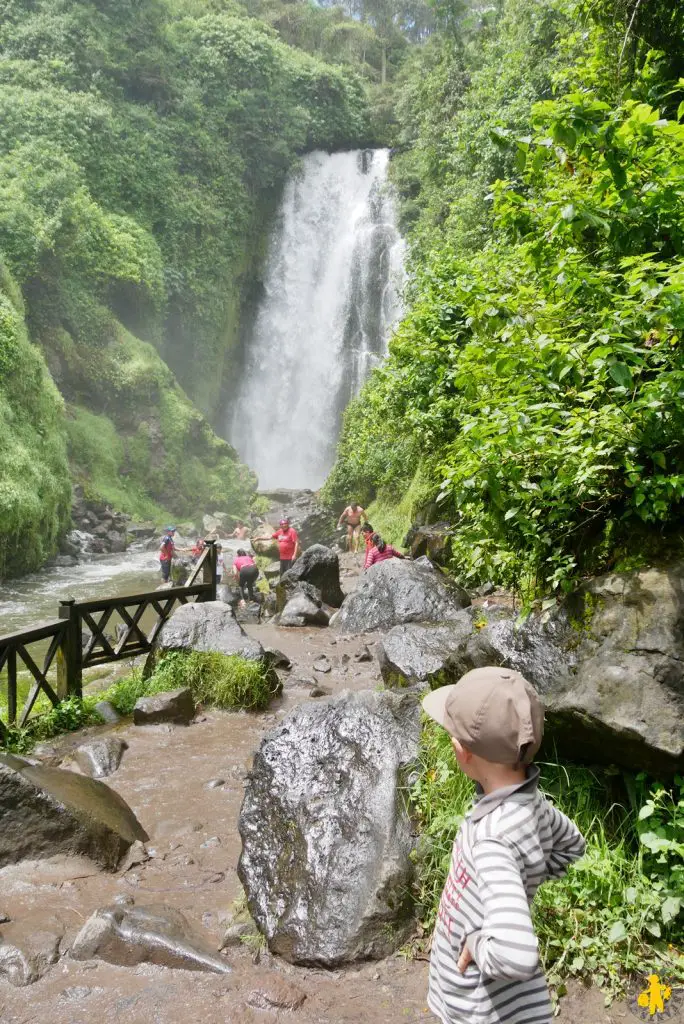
(484, 966)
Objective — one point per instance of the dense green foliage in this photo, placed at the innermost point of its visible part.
(34, 488)
(142, 146)
(618, 910)
(537, 378)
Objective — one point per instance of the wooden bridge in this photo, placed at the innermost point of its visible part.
(77, 639)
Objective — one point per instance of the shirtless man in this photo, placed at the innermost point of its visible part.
(352, 516)
(241, 531)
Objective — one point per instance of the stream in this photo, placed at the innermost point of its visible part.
(35, 598)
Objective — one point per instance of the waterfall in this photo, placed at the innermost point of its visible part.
(331, 297)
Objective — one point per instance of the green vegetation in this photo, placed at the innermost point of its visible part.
(217, 680)
(34, 488)
(142, 149)
(537, 377)
(620, 909)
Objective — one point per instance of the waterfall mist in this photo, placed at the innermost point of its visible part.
(331, 297)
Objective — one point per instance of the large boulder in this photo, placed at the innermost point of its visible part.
(262, 541)
(326, 835)
(320, 567)
(421, 653)
(129, 936)
(398, 591)
(207, 626)
(621, 697)
(48, 811)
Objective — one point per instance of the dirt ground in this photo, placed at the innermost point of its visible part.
(194, 848)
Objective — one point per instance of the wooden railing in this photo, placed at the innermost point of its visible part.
(70, 652)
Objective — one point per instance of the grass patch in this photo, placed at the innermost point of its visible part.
(618, 911)
(219, 680)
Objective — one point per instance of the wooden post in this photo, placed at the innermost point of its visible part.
(69, 654)
(209, 569)
(12, 687)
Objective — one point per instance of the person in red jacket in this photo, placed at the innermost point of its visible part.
(288, 544)
(381, 551)
(367, 531)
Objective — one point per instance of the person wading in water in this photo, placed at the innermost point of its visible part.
(288, 544)
(352, 516)
(167, 550)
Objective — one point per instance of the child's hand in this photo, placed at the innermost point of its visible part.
(464, 960)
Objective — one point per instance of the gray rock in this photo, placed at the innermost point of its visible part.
(364, 654)
(621, 696)
(433, 541)
(272, 571)
(117, 541)
(100, 757)
(209, 626)
(289, 587)
(320, 567)
(320, 691)
(48, 811)
(326, 837)
(215, 784)
(322, 664)
(300, 610)
(399, 591)
(276, 993)
(176, 707)
(107, 712)
(276, 658)
(157, 935)
(417, 652)
(28, 949)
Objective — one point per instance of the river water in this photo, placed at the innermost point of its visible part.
(33, 599)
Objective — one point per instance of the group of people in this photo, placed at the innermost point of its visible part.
(377, 549)
(245, 570)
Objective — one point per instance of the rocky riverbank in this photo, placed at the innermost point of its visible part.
(186, 784)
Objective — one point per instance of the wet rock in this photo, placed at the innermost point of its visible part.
(100, 757)
(117, 541)
(399, 591)
(289, 587)
(322, 664)
(157, 934)
(76, 993)
(275, 993)
(433, 541)
(300, 610)
(134, 857)
(326, 838)
(276, 658)
(4, 918)
(272, 571)
(320, 567)
(28, 949)
(48, 811)
(209, 626)
(263, 543)
(320, 691)
(176, 707)
(107, 712)
(215, 784)
(364, 654)
(417, 652)
(620, 696)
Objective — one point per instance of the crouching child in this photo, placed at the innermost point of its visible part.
(484, 966)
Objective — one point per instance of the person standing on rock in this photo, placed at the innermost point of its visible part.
(246, 573)
(352, 516)
(484, 963)
(241, 532)
(167, 550)
(380, 551)
(288, 544)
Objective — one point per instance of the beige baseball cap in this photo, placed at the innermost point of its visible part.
(494, 712)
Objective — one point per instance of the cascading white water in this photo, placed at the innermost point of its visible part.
(331, 297)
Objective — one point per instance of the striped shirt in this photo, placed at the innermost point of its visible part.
(510, 842)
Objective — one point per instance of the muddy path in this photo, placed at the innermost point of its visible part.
(186, 785)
